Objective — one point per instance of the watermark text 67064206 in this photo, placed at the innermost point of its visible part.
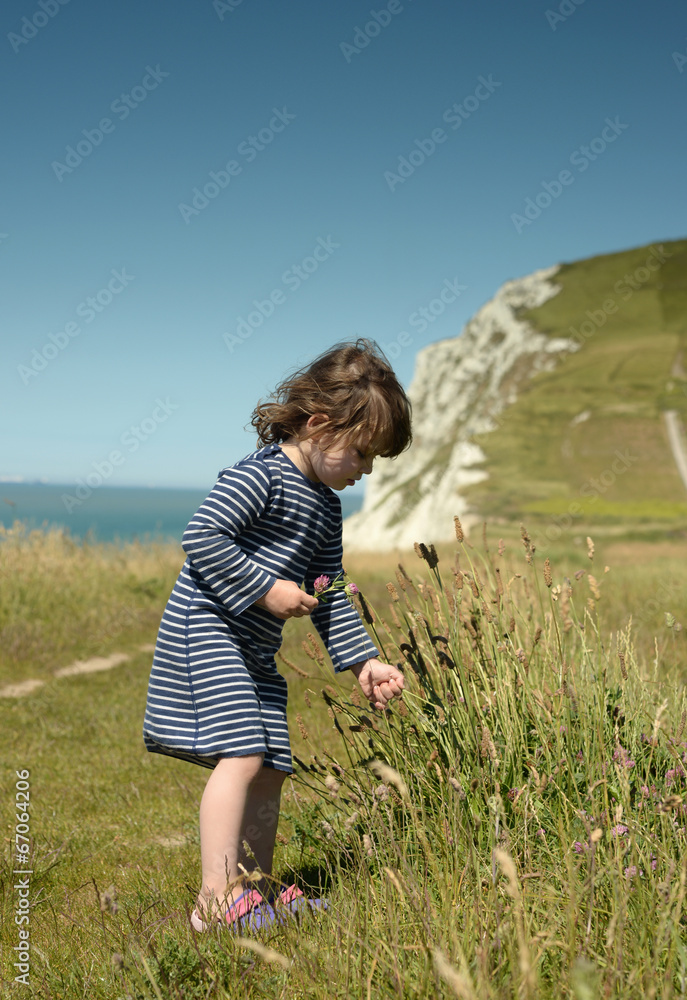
(22, 873)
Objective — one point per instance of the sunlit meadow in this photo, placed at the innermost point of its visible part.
(515, 827)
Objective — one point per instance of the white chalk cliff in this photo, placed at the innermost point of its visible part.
(459, 389)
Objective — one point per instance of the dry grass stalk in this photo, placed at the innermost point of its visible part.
(548, 579)
(319, 655)
(458, 980)
(460, 535)
(389, 776)
(265, 953)
(508, 867)
(289, 663)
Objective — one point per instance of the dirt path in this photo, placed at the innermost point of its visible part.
(93, 666)
(677, 442)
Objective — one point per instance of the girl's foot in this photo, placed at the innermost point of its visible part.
(293, 899)
(249, 911)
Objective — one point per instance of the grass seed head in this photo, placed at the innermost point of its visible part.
(548, 579)
(301, 727)
(460, 535)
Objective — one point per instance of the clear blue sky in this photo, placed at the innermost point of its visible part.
(184, 87)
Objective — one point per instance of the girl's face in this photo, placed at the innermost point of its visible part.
(342, 464)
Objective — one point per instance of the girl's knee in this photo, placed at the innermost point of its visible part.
(248, 767)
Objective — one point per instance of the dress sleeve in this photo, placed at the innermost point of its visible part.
(239, 497)
(336, 620)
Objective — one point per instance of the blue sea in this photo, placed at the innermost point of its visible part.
(111, 513)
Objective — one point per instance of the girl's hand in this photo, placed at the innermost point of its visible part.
(380, 682)
(285, 599)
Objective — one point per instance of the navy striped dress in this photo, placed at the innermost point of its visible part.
(214, 688)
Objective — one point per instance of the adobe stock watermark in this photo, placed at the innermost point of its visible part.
(224, 7)
(30, 26)
(22, 852)
(293, 277)
(248, 149)
(86, 310)
(122, 106)
(421, 319)
(454, 116)
(131, 440)
(371, 29)
(680, 60)
(581, 158)
(566, 9)
(624, 288)
(590, 491)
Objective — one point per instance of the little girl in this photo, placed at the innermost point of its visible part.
(271, 523)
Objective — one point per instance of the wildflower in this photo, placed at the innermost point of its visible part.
(654, 862)
(631, 871)
(512, 793)
(541, 834)
(579, 847)
(622, 758)
(619, 830)
(323, 586)
(673, 775)
(579, 756)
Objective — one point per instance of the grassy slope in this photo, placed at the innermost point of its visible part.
(538, 460)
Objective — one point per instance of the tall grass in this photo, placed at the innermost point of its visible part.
(522, 812)
(515, 827)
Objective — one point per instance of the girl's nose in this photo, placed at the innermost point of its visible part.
(367, 466)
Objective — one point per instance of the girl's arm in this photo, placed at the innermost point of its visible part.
(238, 500)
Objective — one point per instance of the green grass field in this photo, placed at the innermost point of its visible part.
(524, 835)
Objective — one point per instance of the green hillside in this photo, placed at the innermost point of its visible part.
(589, 438)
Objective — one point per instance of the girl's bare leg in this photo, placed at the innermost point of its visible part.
(223, 811)
(261, 818)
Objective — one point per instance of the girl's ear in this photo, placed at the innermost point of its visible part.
(316, 424)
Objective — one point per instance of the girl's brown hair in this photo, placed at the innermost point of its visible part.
(355, 386)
